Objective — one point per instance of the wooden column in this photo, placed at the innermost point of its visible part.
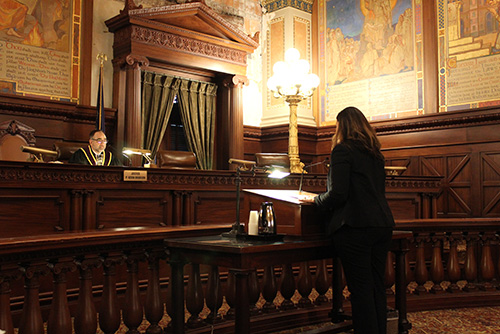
(230, 121)
(430, 61)
(86, 52)
(127, 100)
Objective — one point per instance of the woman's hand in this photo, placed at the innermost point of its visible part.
(306, 198)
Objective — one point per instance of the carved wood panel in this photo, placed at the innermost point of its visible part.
(141, 208)
(471, 180)
(33, 213)
(490, 180)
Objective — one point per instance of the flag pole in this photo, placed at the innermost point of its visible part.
(101, 119)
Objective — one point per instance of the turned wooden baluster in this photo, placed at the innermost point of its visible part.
(86, 316)
(59, 321)
(470, 267)
(230, 295)
(437, 267)
(214, 298)
(253, 292)
(31, 317)
(132, 310)
(269, 289)
(453, 266)
(194, 297)
(7, 276)
(287, 288)
(322, 284)
(487, 266)
(109, 313)
(153, 307)
(390, 273)
(421, 273)
(304, 285)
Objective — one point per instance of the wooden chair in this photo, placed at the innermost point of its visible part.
(13, 135)
(272, 159)
(175, 159)
(66, 149)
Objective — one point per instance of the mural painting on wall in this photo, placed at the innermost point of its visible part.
(370, 54)
(39, 49)
(469, 54)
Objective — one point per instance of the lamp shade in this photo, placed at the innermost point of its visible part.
(291, 77)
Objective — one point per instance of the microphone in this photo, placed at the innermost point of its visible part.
(242, 162)
(325, 162)
(40, 151)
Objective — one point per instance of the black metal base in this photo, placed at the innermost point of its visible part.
(238, 229)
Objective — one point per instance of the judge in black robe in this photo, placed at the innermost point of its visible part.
(95, 153)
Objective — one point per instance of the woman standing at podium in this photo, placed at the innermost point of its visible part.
(359, 219)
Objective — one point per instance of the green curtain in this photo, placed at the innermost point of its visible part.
(197, 101)
(158, 93)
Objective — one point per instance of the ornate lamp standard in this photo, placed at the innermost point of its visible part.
(292, 81)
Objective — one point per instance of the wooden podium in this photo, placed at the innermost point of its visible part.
(292, 217)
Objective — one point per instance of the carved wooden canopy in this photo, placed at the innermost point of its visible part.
(187, 35)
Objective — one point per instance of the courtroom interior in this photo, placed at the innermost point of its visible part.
(199, 101)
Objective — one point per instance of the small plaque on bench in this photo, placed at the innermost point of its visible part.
(135, 175)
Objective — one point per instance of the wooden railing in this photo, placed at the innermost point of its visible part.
(69, 281)
(458, 256)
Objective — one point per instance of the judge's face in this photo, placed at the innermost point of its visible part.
(98, 142)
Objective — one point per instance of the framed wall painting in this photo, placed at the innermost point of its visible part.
(469, 54)
(370, 57)
(40, 48)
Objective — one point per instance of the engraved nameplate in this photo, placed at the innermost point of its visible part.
(135, 175)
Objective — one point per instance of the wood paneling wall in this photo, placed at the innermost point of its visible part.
(462, 147)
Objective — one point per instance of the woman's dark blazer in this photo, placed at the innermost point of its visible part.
(356, 190)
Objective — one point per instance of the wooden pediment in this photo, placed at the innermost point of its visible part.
(188, 35)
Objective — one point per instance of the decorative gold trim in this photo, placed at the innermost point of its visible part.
(274, 5)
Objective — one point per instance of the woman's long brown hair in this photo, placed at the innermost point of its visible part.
(353, 125)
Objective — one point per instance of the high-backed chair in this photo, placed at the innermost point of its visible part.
(65, 149)
(272, 159)
(175, 159)
(13, 135)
